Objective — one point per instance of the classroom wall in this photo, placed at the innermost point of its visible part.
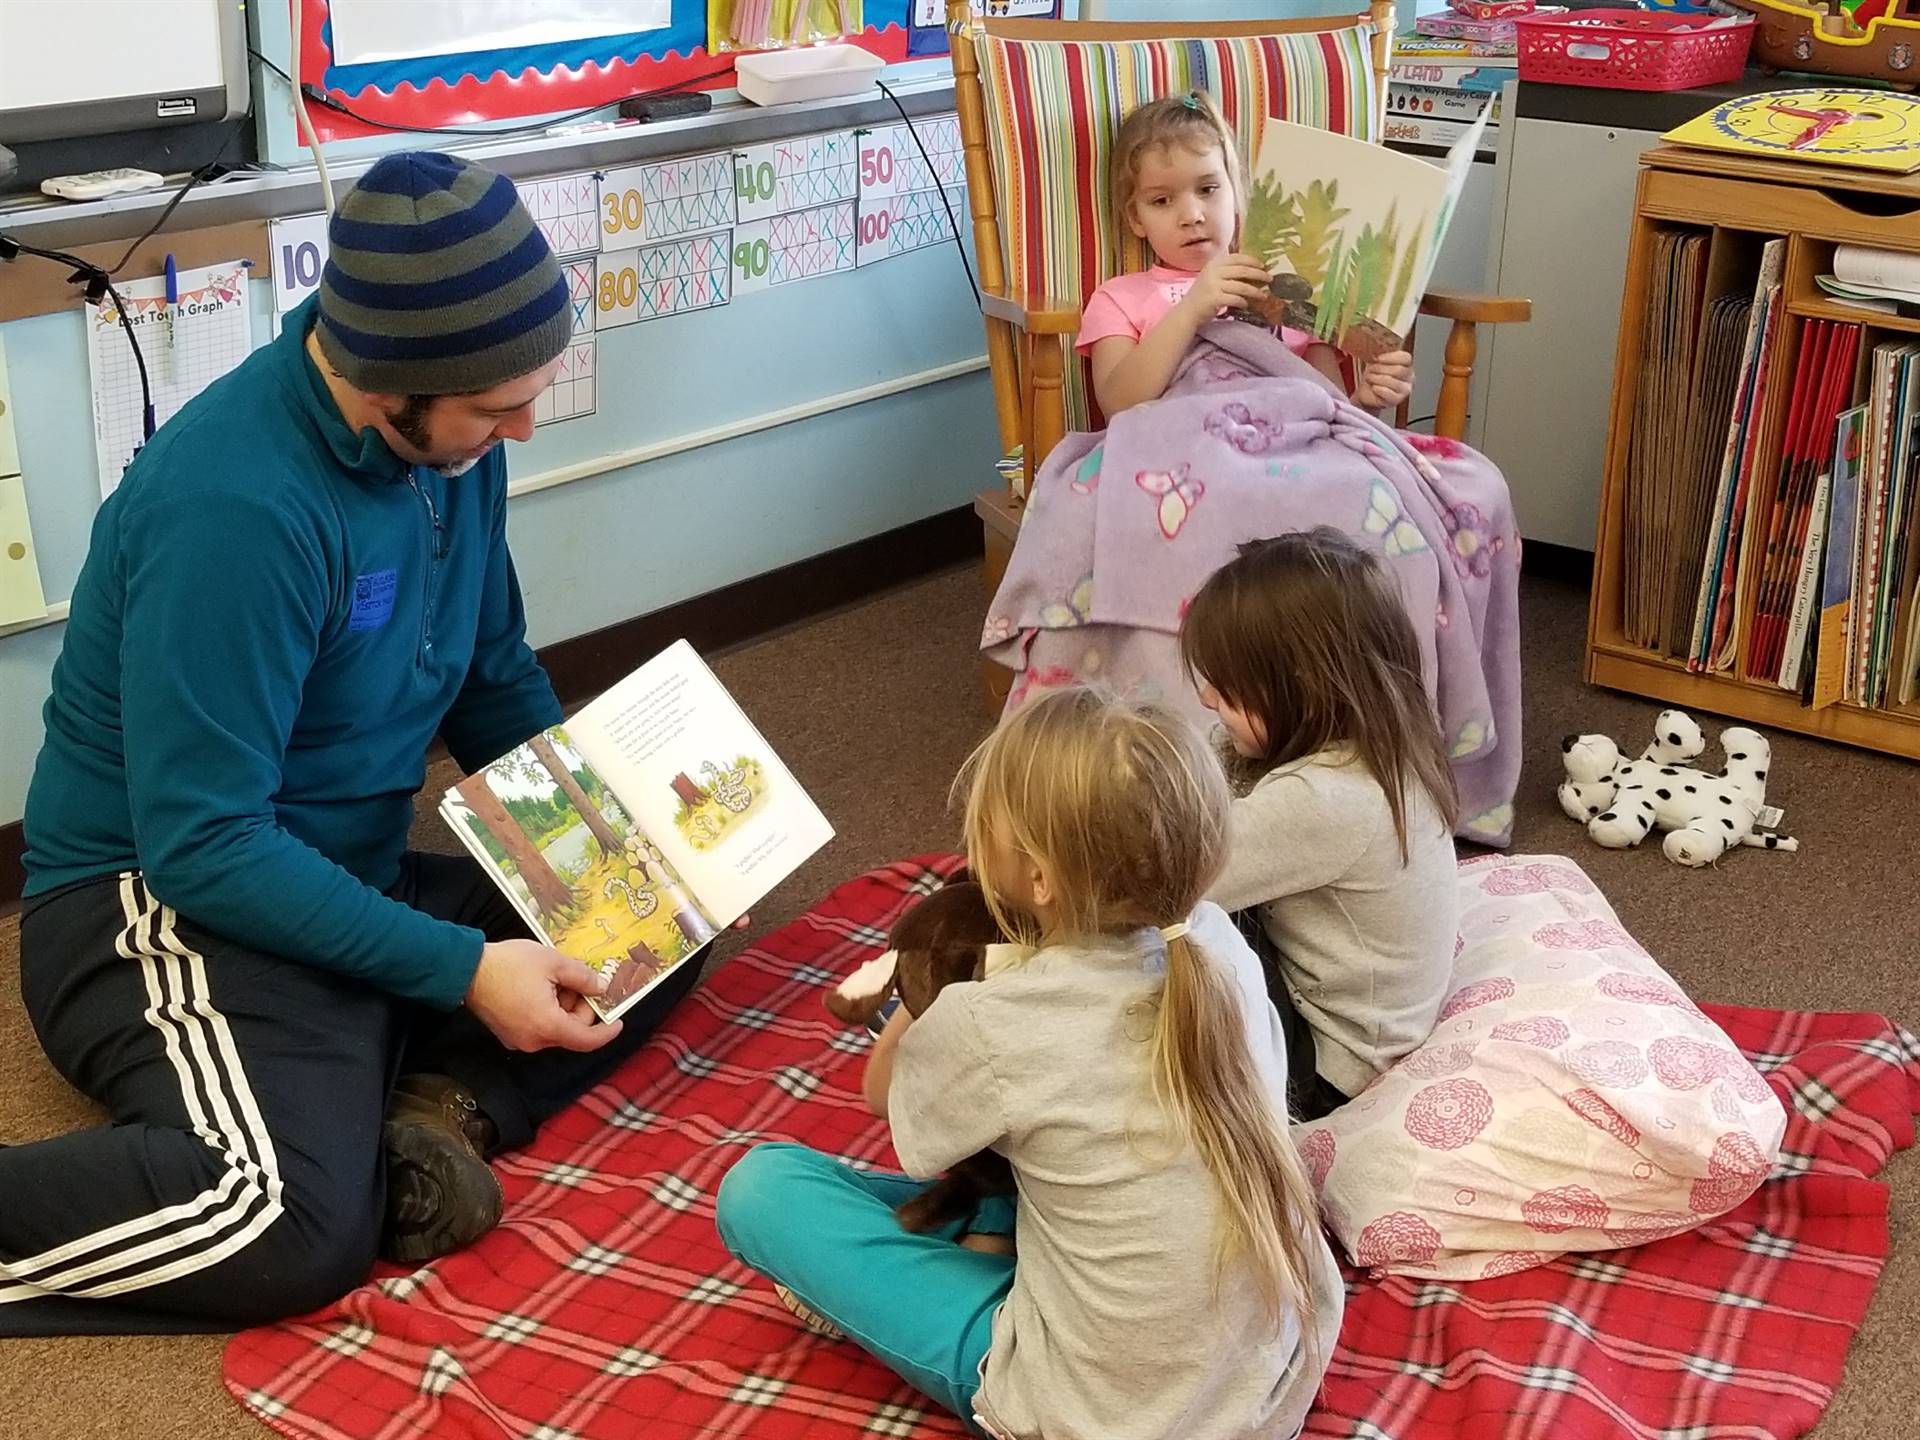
(600, 549)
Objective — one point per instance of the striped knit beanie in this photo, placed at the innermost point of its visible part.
(437, 281)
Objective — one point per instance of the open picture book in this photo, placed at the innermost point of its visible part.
(1350, 231)
(634, 833)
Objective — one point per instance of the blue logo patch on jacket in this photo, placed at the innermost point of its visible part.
(372, 600)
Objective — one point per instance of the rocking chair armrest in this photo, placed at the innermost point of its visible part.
(1034, 313)
(1476, 309)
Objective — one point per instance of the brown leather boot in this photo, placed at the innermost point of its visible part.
(441, 1195)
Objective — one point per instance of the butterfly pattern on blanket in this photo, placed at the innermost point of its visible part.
(1125, 525)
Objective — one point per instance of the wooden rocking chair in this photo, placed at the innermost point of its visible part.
(1038, 102)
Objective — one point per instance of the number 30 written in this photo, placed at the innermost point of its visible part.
(626, 210)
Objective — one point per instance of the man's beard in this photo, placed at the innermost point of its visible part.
(410, 424)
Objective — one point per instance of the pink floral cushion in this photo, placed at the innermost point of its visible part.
(1571, 1098)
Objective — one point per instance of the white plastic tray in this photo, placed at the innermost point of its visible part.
(814, 73)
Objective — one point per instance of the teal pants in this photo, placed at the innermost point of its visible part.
(921, 1303)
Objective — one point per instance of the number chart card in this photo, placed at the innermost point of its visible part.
(572, 393)
(297, 248)
(796, 174)
(795, 246)
(652, 281)
(567, 210)
(665, 199)
(905, 196)
(891, 162)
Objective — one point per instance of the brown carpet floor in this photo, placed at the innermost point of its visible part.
(875, 707)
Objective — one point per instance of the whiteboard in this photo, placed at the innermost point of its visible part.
(71, 54)
(373, 30)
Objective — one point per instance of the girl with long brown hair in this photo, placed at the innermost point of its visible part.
(1171, 1281)
(1341, 833)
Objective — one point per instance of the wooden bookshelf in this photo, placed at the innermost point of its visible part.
(1813, 207)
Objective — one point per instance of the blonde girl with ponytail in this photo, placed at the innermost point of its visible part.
(1170, 1278)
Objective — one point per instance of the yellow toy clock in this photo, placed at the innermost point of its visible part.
(1871, 129)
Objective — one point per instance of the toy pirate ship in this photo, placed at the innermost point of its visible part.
(1874, 40)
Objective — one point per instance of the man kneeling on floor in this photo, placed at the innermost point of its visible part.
(308, 1038)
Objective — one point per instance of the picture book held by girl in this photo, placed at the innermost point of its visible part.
(633, 834)
(1350, 231)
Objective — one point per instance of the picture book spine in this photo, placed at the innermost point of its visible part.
(1831, 655)
(1813, 345)
(1873, 520)
(1899, 515)
(1720, 653)
(1798, 626)
(1745, 412)
(1835, 392)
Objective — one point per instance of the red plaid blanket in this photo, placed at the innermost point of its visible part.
(605, 1306)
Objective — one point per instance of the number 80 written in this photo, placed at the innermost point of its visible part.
(619, 289)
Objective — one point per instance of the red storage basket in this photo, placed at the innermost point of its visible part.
(1631, 49)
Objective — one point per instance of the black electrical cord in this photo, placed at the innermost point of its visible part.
(99, 282)
(319, 96)
(198, 177)
(958, 243)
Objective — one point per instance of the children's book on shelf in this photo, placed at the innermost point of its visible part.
(1841, 558)
(1350, 230)
(1823, 386)
(642, 827)
(1715, 602)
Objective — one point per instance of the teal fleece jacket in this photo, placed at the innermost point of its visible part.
(275, 617)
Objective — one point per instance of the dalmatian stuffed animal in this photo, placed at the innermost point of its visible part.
(1704, 814)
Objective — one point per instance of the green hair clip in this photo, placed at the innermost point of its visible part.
(1191, 100)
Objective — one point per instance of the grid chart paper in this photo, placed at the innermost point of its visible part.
(212, 333)
(793, 247)
(655, 281)
(581, 275)
(796, 174)
(891, 162)
(896, 224)
(667, 198)
(567, 210)
(572, 393)
(901, 208)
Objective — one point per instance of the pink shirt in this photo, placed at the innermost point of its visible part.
(1133, 304)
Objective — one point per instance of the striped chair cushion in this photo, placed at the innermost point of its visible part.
(1054, 106)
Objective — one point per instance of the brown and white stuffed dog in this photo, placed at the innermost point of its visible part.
(946, 938)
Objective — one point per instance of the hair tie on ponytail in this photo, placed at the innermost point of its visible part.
(1191, 100)
(1171, 933)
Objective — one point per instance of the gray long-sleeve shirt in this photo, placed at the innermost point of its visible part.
(1367, 941)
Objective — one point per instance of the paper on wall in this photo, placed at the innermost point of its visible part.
(211, 332)
(20, 595)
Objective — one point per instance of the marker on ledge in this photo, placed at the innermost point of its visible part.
(173, 307)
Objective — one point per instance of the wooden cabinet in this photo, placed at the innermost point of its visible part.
(1813, 208)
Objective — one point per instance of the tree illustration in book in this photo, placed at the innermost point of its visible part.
(1350, 231)
(603, 892)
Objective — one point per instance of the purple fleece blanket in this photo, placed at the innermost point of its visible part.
(1125, 525)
